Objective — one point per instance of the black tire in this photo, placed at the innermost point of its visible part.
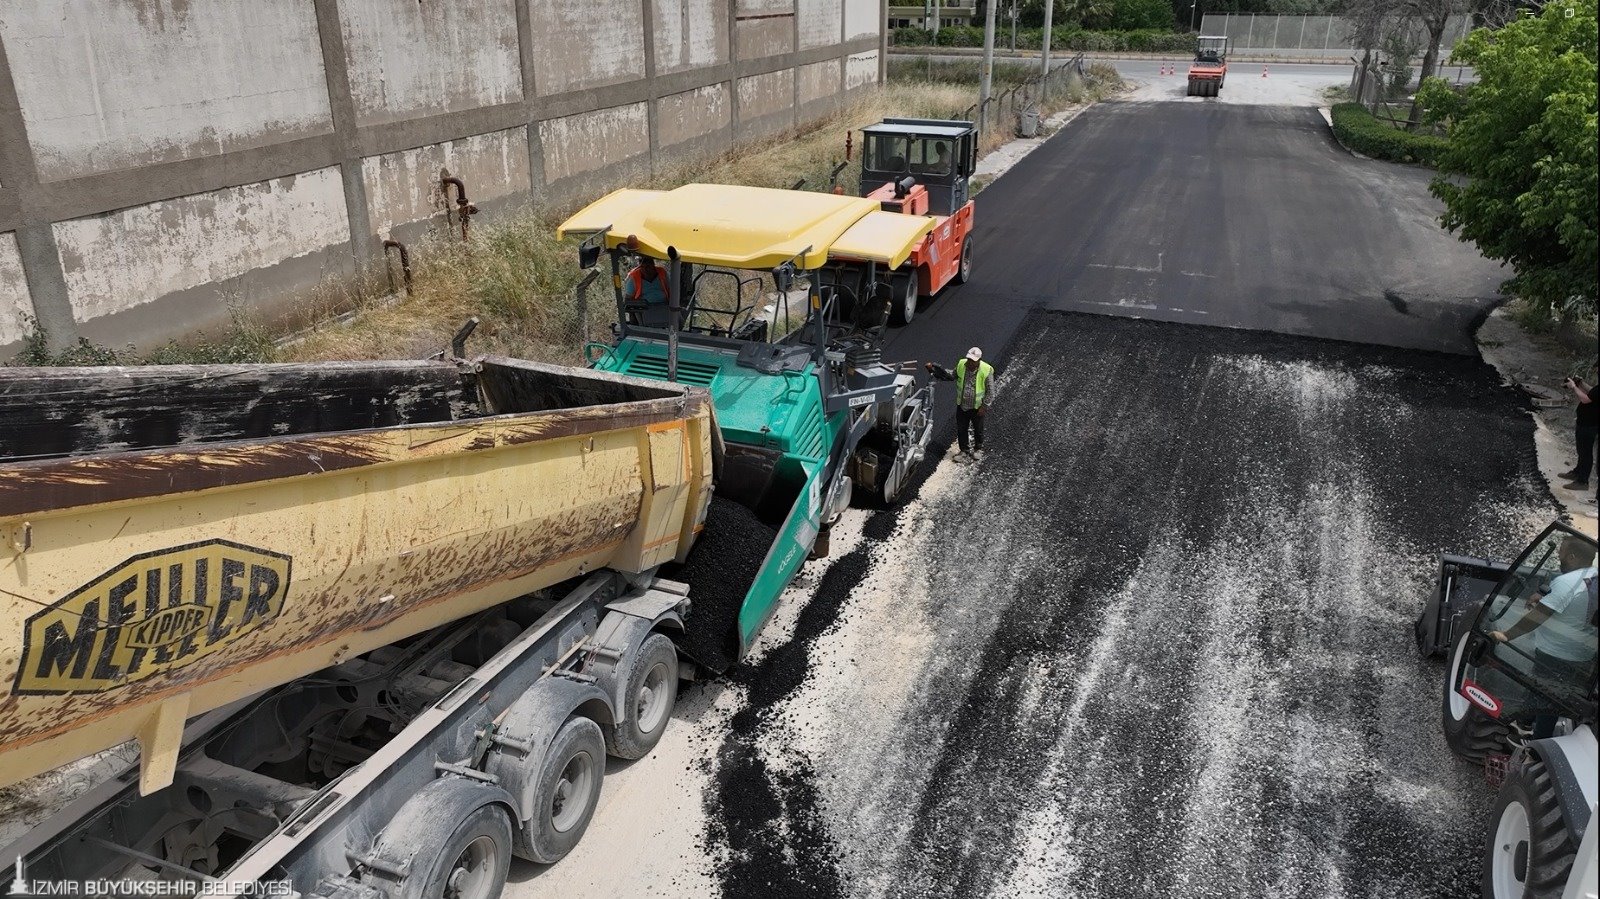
(903, 307)
(1530, 858)
(964, 270)
(650, 691)
(470, 864)
(557, 823)
(1469, 731)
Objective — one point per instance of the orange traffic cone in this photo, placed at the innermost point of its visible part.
(1263, 71)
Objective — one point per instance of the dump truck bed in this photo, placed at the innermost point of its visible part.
(175, 538)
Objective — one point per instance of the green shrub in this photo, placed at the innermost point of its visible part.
(1359, 131)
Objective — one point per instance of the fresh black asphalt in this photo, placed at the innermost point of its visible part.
(1170, 651)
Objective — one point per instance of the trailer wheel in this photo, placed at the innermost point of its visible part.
(566, 792)
(457, 835)
(473, 862)
(1469, 731)
(964, 273)
(650, 692)
(1529, 852)
(903, 308)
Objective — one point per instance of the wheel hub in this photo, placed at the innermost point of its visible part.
(1509, 862)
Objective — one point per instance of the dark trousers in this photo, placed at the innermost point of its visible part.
(1587, 434)
(969, 418)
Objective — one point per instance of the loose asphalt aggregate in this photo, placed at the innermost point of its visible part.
(1157, 642)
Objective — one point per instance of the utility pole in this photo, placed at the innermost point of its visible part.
(935, 28)
(987, 80)
(1194, 8)
(1013, 26)
(1044, 53)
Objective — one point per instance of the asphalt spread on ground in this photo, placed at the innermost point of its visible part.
(1160, 634)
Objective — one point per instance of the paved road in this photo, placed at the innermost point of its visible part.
(1156, 643)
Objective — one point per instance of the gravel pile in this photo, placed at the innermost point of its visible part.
(719, 572)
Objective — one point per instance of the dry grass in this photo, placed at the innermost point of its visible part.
(519, 279)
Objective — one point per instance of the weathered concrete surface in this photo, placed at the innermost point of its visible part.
(817, 81)
(766, 102)
(860, 69)
(862, 18)
(590, 141)
(106, 86)
(764, 27)
(408, 58)
(14, 301)
(690, 34)
(404, 187)
(821, 23)
(121, 260)
(581, 45)
(128, 126)
(692, 114)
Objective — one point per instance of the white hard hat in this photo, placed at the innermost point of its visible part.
(974, 354)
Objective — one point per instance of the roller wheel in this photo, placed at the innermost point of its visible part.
(651, 690)
(1470, 732)
(903, 307)
(566, 793)
(964, 273)
(1529, 853)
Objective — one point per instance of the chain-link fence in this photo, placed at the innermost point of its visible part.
(1027, 97)
(1311, 37)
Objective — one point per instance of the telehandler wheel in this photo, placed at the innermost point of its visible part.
(651, 690)
(903, 307)
(566, 793)
(1529, 852)
(1470, 732)
(964, 273)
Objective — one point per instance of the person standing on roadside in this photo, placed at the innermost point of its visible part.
(975, 391)
(1588, 430)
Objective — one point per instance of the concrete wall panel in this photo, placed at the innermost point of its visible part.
(861, 19)
(683, 117)
(760, 38)
(124, 259)
(107, 85)
(14, 301)
(591, 141)
(821, 23)
(410, 59)
(690, 34)
(404, 187)
(763, 95)
(582, 45)
(860, 69)
(818, 81)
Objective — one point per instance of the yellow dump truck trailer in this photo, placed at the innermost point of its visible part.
(375, 626)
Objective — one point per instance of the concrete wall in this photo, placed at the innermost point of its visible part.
(164, 160)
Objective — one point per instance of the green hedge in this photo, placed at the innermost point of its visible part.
(1357, 129)
(1143, 41)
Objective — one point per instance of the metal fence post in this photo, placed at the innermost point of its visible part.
(583, 306)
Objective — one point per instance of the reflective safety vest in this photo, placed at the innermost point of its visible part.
(985, 370)
(647, 291)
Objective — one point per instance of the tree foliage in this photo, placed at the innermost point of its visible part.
(1519, 178)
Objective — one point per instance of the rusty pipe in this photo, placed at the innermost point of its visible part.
(465, 206)
(405, 263)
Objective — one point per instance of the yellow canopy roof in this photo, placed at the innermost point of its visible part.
(886, 237)
(751, 227)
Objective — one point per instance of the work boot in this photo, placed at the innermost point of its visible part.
(963, 457)
(1576, 484)
(977, 453)
(1570, 474)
